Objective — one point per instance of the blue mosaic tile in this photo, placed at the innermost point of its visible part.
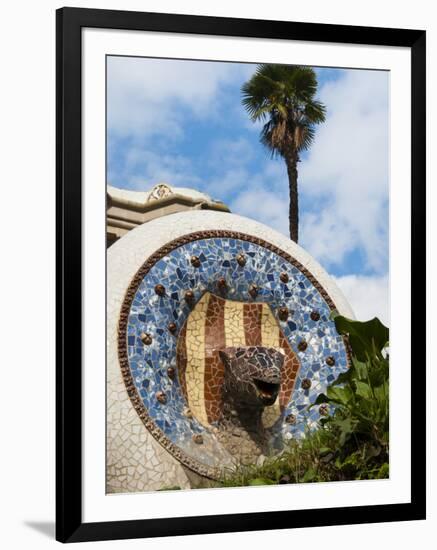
(151, 314)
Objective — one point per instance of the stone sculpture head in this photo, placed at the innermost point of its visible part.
(252, 376)
(252, 380)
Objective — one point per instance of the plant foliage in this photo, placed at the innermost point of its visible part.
(353, 440)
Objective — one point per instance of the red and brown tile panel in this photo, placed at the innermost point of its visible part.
(181, 359)
(213, 339)
(289, 372)
(252, 314)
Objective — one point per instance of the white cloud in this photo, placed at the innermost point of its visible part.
(260, 195)
(145, 95)
(232, 153)
(346, 172)
(264, 206)
(367, 295)
(343, 180)
(143, 168)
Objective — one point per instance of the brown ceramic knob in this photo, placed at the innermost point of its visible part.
(324, 409)
(161, 397)
(172, 327)
(195, 261)
(197, 438)
(253, 290)
(284, 277)
(241, 259)
(330, 361)
(302, 345)
(315, 315)
(283, 313)
(171, 372)
(146, 338)
(222, 284)
(290, 419)
(160, 290)
(189, 297)
(306, 383)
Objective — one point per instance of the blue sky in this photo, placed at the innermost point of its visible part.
(182, 122)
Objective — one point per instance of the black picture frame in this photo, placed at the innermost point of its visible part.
(69, 525)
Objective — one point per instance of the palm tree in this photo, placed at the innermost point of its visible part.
(283, 96)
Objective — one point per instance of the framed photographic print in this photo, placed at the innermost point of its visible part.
(241, 274)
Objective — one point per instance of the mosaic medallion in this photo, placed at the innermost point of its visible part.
(224, 341)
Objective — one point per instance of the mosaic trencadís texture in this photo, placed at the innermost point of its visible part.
(213, 306)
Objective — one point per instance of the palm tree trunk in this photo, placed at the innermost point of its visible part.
(293, 213)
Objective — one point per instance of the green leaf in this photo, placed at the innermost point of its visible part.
(346, 427)
(261, 481)
(341, 395)
(351, 460)
(324, 451)
(309, 475)
(344, 377)
(379, 372)
(383, 471)
(360, 370)
(334, 313)
(363, 336)
(364, 390)
(381, 393)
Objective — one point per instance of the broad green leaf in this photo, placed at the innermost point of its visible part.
(346, 427)
(324, 451)
(345, 424)
(261, 481)
(344, 377)
(363, 335)
(309, 475)
(364, 390)
(342, 395)
(379, 373)
(381, 393)
(361, 370)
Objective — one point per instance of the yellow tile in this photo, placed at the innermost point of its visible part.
(195, 371)
(269, 328)
(234, 324)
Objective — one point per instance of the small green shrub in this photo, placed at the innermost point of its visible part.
(353, 441)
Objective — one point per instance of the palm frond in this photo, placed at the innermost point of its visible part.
(315, 112)
(284, 97)
(268, 139)
(304, 136)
